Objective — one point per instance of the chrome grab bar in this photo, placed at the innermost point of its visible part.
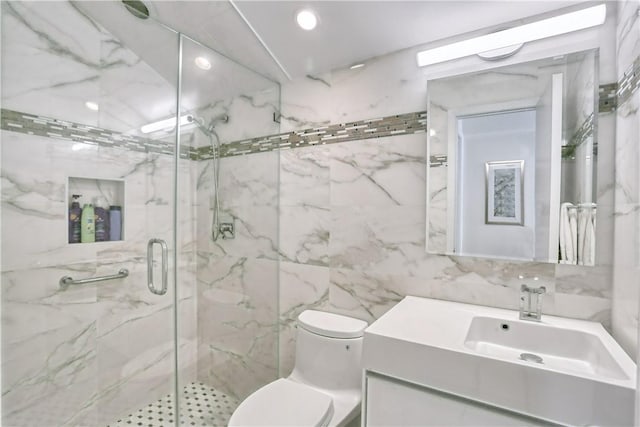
(66, 281)
(165, 266)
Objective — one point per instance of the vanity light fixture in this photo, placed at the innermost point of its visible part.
(356, 66)
(557, 25)
(93, 106)
(502, 53)
(165, 124)
(306, 19)
(203, 63)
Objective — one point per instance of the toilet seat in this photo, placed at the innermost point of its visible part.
(284, 403)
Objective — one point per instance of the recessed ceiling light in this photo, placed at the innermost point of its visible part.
(353, 67)
(92, 106)
(306, 19)
(203, 63)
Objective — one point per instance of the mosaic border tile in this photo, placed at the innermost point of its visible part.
(607, 97)
(31, 124)
(401, 124)
(610, 96)
(579, 137)
(438, 160)
(629, 83)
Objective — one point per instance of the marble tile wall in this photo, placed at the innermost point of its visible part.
(336, 227)
(577, 154)
(249, 115)
(627, 187)
(128, 342)
(352, 215)
(88, 354)
(580, 101)
(238, 278)
(352, 224)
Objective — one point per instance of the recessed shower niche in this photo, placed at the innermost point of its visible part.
(95, 210)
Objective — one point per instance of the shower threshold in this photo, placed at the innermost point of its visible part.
(200, 405)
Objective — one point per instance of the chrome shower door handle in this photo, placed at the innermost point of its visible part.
(165, 266)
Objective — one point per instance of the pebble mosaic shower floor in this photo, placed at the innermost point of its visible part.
(200, 405)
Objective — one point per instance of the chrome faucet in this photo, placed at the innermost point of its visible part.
(531, 302)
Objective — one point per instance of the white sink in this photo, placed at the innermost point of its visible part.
(488, 355)
(558, 348)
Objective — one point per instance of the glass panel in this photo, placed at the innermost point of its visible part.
(76, 93)
(234, 310)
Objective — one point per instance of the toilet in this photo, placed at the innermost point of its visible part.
(325, 386)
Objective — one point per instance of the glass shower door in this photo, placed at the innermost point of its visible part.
(233, 349)
(89, 105)
(136, 333)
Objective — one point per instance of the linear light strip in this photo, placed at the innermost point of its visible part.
(169, 123)
(545, 28)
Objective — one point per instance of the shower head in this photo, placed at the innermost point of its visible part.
(137, 8)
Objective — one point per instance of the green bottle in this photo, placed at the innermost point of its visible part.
(87, 224)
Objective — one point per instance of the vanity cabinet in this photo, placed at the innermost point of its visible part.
(390, 402)
(440, 363)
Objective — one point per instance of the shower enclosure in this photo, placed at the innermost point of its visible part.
(91, 99)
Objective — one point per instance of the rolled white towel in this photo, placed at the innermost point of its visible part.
(584, 243)
(590, 239)
(566, 237)
(572, 255)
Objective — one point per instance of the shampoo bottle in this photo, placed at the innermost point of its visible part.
(74, 219)
(115, 223)
(101, 220)
(87, 224)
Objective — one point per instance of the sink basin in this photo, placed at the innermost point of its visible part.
(562, 349)
(559, 370)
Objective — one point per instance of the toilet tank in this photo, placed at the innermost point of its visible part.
(329, 350)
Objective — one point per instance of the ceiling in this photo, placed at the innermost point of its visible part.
(348, 31)
(353, 31)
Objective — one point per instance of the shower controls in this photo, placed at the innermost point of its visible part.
(227, 230)
(209, 130)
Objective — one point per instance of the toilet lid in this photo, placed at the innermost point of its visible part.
(284, 403)
(331, 325)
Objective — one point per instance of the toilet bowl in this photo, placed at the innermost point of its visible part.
(324, 388)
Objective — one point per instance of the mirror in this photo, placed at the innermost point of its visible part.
(512, 161)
